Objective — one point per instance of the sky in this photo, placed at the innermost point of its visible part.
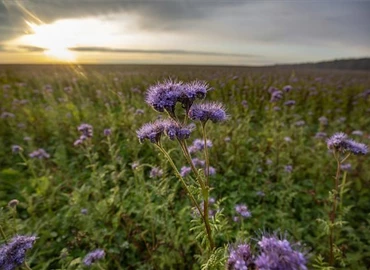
(216, 32)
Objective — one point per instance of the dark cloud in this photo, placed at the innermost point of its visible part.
(21, 48)
(182, 52)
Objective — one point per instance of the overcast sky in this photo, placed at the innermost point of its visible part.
(188, 31)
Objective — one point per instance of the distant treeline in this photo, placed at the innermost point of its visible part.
(349, 64)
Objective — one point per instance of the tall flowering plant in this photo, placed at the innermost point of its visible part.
(163, 98)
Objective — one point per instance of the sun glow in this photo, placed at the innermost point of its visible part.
(57, 39)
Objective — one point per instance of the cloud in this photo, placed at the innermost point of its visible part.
(182, 52)
(270, 28)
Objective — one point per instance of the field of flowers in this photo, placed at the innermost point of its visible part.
(238, 168)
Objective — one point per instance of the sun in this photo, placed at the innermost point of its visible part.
(52, 38)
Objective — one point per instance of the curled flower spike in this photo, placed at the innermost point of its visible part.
(13, 254)
(93, 256)
(240, 257)
(213, 111)
(163, 96)
(277, 254)
(151, 131)
(154, 131)
(340, 142)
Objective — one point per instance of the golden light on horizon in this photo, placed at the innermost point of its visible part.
(52, 38)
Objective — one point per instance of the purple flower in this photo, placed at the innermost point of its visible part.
(84, 211)
(139, 111)
(288, 139)
(211, 171)
(300, 123)
(185, 171)
(151, 131)
(198, 145)
(213, 111)
(240, 257)
(198, 162)
(5, 115)
(276, 96)
(340, 142)
(346, 167)
(135, 165)
(321, 135)
(156, 172)
(242, 210)
(323, 120)
(107, 132)
(287, 88)
(39, 153)
(289, 103)
(288, 168)
(356, 148)
(13, 254)
(86, 130)
(357, 133)
(163, 96)
(16, 149)
(276, 254)
(93, 256)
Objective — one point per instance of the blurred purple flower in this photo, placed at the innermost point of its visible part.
(156, 172)
(39, 153)
(93, 256)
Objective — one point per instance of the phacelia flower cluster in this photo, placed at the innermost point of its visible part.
(240, 257)
(93, 256)
(203, 112)
(39, 153)
(154, 131)
(243, 211)
(198, 145)
(164, 96)
(86, 131)
(13, 254)
(341, 143)
(272, 253)
(276, 254)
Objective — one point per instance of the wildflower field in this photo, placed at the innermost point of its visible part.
(180, 167)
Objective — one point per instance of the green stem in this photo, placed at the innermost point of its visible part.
(206, 152)
(333, 212)
(204, 216)
(164, 152)
(205, 192)
(26, 266)
(3, 235)
(29, 165)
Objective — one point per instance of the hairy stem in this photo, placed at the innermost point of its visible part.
(334, 209)
(204, 214)
(168, 157)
